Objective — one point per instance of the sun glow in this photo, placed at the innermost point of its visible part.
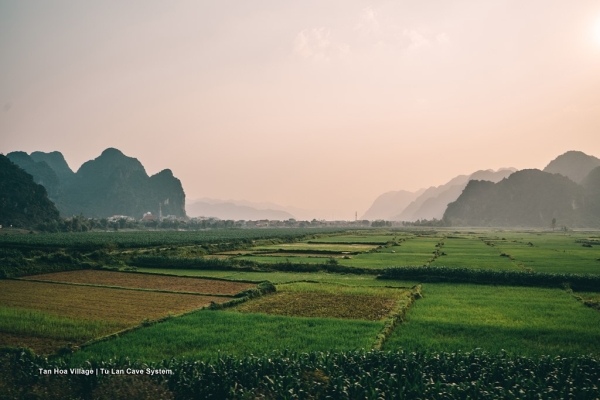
(596, 31)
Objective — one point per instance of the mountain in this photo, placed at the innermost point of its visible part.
(41, 172)
(389, 204)
(57, 162)
(111, 184)
(226, 210)
(591, 185)
(575, 165)
(23, 203)
(527, 198)
(432, 202)
(300, 214)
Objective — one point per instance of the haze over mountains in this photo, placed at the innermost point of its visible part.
(565, 193)
(111, 184)
(427, 203)
(231, 210)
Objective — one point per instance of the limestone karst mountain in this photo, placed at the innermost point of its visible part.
(23, 203)
(575, 165)
(111, 184)
(527, 198)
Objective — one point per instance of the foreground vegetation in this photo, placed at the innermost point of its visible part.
(516, 310)
(339, 375)
(525, 321)
(206, 334)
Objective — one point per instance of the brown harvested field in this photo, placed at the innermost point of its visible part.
(147, 281)
(40, 345)
(93, 303)
(327, 305)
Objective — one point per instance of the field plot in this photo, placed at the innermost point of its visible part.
(92, 310)
(45, 333)
(142, 281)
(377, 239)
(526, 321)
(296, 258)
(308, 247)
(552, 254)
(207, 334)
(472, 253)
(285, 277)
(414, 251)
(327, 301)
(94, 240)
(589, 299)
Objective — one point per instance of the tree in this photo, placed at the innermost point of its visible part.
(553, 223)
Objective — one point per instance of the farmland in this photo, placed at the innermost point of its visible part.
(46, 316)
(519, 320)
(480, 295)
(207, 334)
(328, 301)
(153, 282)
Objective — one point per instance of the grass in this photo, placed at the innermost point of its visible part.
(207, 334)
(472, 253)
(308, 247)
(551, 252)
(276, 259)
(284, 277)
(304, 299)
(357, 239)
(156, 282)
(45, 333)
(414, 251)
(526, 321)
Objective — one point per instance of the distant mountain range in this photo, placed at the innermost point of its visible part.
(111, 184)
(390, 203)
(230, 210)
(568, 191)
(575, 165)
(565, 193)
(528, 198)
(23, 203)
(427, 203)
(249, 210)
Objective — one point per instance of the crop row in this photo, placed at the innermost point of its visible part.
(493, 277)
(166, 262)
(339, 375)
(95, 240)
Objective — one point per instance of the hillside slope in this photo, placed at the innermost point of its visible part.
(23, 203)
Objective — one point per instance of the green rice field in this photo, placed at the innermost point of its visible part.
(527, 321)
(207, 334)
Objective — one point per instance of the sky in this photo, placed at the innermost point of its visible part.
(321, 105)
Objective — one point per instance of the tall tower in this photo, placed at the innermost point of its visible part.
(160, 211)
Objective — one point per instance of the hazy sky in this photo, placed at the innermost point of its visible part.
(315, 104)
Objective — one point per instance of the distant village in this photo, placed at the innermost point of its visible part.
(151, 220)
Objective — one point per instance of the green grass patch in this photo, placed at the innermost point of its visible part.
(551, 252)
(207, 334)
(284, 277)
(362, 238)
(272, 259)
(526, 321)
(308, 247)
(472, 253)
(21, 321)
(414, 251)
